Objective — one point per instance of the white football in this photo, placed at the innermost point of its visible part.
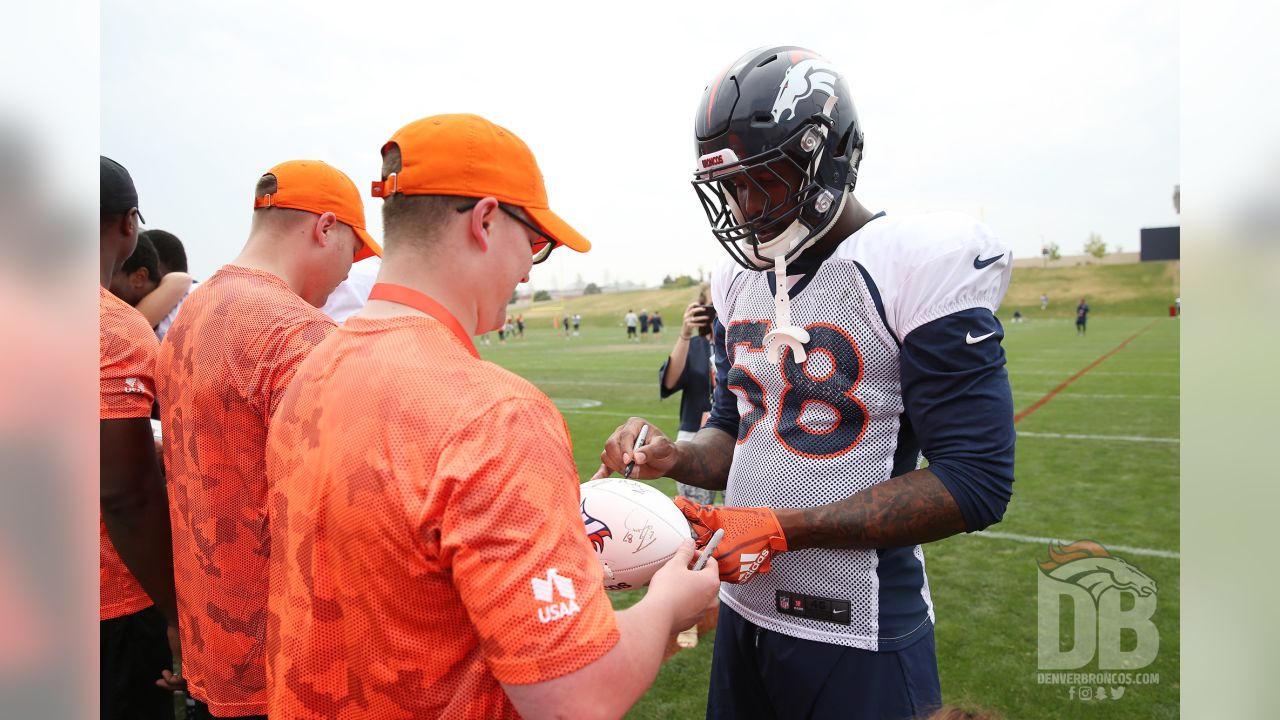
(633, 527)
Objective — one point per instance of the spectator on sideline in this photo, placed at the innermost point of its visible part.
(520, 325)
(1082, 316)
(564, 324)
(632, 322)
(644, 324)
(577, 323)
(221, 372)
(655, 322)
(136, 636)
(446, 572)
(1044, 301)
(690, 371)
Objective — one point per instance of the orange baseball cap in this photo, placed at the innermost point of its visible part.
(318, 187)
(468, 156)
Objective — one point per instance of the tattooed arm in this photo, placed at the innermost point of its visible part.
(909, 509)
(704, 461)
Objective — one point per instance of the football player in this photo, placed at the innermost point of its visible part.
(848, 343)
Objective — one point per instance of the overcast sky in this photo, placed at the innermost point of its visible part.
(1047, 121)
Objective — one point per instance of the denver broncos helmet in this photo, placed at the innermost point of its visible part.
(778, 145)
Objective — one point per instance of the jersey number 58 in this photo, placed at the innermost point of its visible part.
(802, 389)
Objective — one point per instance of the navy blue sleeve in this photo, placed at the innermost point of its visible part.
(663, 392)
(724, 404)
(957, 397)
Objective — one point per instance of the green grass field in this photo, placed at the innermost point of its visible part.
(1118, 484)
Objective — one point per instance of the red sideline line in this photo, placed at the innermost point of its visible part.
(1053, 393)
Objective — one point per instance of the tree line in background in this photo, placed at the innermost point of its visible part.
(1092, 246)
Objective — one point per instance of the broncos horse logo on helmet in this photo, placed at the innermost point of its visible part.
(802, 80)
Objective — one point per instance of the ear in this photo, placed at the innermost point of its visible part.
(480, 222)
(129, 223)
(139, 277)
(320, 231)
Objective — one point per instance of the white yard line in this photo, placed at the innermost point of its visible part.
(1102, 373)
(1102, 396)
(1150, 552)
(1111, 438)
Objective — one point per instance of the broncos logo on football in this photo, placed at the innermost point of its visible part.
(802, 80)
(1089, 565)
(596, 530)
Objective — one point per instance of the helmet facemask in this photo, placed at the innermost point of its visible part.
(798, 183)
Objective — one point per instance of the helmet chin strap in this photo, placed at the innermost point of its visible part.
(784, 333)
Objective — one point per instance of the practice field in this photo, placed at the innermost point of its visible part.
(1097, 460)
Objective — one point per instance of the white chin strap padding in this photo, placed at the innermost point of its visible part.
(784, 334)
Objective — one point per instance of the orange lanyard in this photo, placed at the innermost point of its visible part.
(421, 301)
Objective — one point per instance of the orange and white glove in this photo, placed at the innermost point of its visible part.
(752, 536)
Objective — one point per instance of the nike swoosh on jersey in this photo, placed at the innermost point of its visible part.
(979, 263)
(970, 339)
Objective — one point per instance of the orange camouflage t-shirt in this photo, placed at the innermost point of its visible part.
(222, 368)
(126, 389)
(427, 539)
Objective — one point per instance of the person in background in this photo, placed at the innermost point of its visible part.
(644, 324)
(655, 322)
(577, 323)
(143, 283)
(172, 254)
(220, 374)
(137, 612)
(690, 371)
(1082, 317)
(1044, 301)
(632, 323)
(520, 325)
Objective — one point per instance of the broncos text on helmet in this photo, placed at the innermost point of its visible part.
(778, 144)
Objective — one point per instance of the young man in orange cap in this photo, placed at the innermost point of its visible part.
(221, 371)
(428, 554)
(134, 561)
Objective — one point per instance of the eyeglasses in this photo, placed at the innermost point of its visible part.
(541, 248)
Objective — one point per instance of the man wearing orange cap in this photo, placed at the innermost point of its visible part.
(220, 374)
(428, 554)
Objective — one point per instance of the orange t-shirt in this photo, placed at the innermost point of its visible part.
(222, 369)
(126, 389)
(427, 539)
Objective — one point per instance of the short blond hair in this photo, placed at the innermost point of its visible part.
(413, 220)
(267, 185)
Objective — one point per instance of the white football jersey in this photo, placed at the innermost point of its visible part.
(820, 432)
